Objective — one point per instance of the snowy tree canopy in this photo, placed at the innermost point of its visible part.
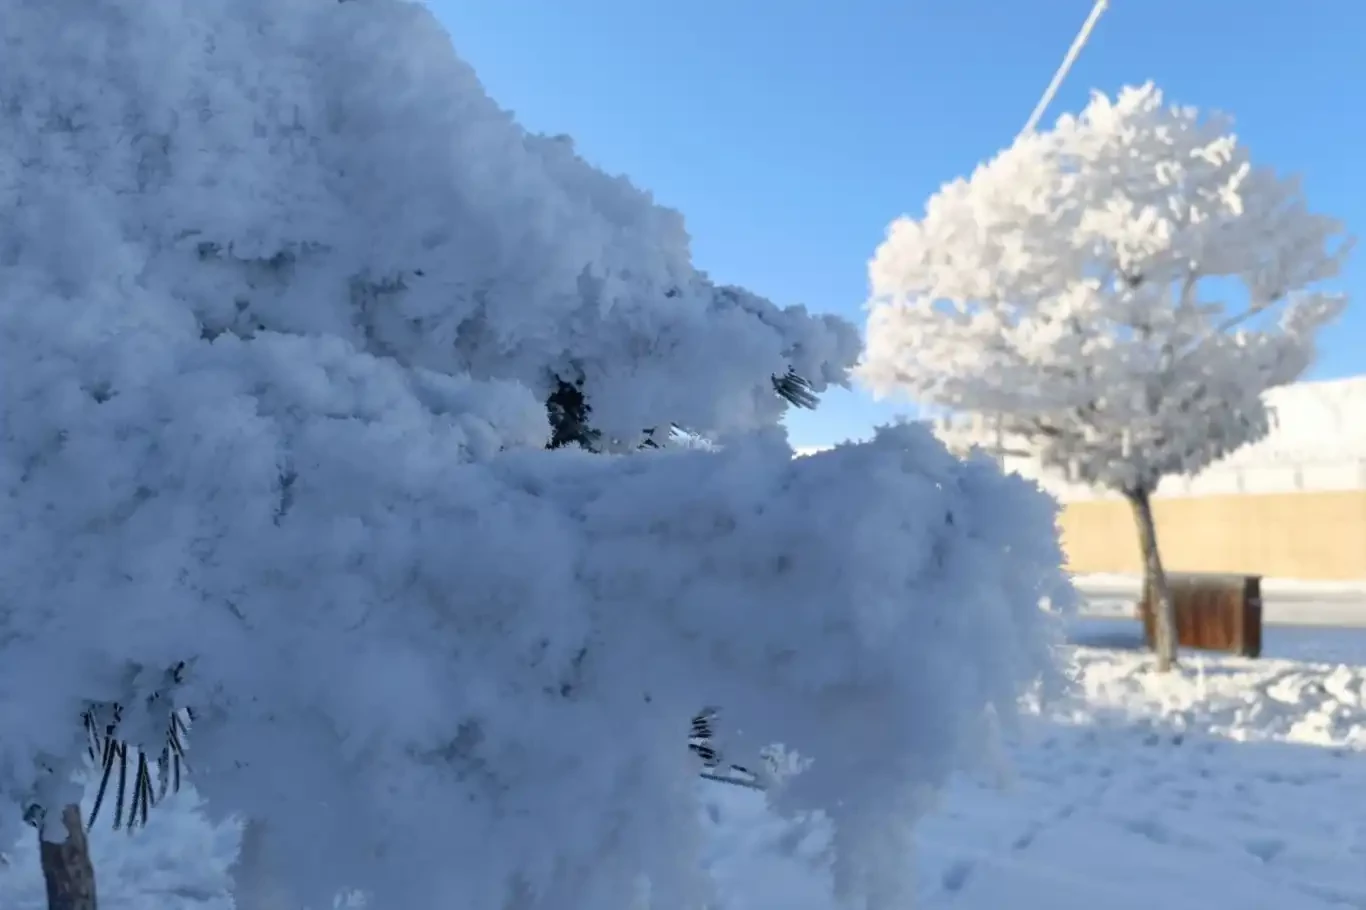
(1116, 293)
(282, 297)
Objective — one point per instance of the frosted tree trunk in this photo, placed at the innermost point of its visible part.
(253, 882)
(1155, 581)
(67, 870)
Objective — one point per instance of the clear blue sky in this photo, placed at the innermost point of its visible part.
(790, 132)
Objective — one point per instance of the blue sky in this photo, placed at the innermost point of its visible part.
(791, 132)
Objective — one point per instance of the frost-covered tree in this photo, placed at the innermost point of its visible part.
(288, 312)
(1112, 297)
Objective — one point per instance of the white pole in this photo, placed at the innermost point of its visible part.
(1072, 53)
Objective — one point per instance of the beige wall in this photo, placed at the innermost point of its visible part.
(1309, 535)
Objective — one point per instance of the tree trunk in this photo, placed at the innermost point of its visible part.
(1155, 581)
(67, 870)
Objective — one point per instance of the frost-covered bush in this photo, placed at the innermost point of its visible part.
(283, 295)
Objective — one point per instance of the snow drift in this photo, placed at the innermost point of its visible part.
(283, 296)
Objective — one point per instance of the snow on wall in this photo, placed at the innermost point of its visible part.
(1318, 444)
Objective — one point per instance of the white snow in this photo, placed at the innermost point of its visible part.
(1315, 422)
(1230, 783)
(283, 293)
(1288, 587)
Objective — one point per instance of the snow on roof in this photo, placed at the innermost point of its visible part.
(1314, 421)
(1317, 443)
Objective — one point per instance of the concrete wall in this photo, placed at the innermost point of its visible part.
(1291, 506)
(1309, 535)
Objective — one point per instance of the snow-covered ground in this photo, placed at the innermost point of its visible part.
(1231, 783)
(1284, 601)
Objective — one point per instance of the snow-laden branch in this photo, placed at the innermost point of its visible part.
(283, 295)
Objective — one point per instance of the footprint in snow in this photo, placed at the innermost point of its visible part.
(957, 875)
(1160, 834)
(1265, 849)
